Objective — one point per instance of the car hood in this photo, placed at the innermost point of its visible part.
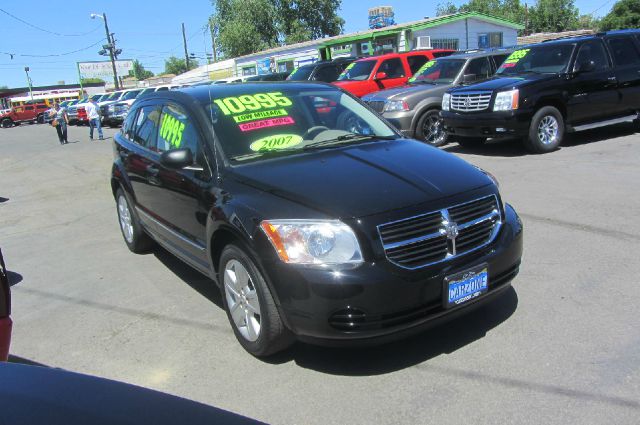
(364, 179)
(507, 83)
(408, 91)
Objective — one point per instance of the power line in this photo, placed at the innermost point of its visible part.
(601, 6)
(55, 54)
(47, 31)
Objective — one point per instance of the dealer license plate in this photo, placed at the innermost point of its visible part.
(465, 286)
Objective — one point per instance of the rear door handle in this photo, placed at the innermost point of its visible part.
(613, 78)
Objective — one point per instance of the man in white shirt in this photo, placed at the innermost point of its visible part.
(94, 118)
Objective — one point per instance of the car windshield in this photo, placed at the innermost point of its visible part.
(358, 71)
(541, 59)
(438, 71)
(96, 97)
(255, 122)
(131, 94)
(301, 74)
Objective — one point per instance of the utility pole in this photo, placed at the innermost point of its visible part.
(26, 70)
(186, 54)
(213, 41)
(526, 19)
(112, 44)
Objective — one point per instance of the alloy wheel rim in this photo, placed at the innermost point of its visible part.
(432, 130)
(125, 219)
(242, 300)
(548, 130)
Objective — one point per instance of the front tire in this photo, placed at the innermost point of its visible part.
(430, 129)
(251, 310)
(134, 236)
(546, 131)
(6, 123)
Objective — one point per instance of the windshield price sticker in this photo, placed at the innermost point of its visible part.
(293, 72)
(346, 70)
(252, 102)
(171, 130)
(275, 142)
(252, 116)
(272, 122)
(514, 58)
(422, 69)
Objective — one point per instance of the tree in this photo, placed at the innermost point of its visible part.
(588, 22)
(92, 81)
(3, 87)
(553, 16)
(243, 27)
(624, 14)
(447, 8)
(139, 72)
(176, 66)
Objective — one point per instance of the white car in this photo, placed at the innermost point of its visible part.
(232, 80)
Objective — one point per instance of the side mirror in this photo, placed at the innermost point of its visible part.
(177, 158)
(469, 78)
(380, 76)
(586, 66)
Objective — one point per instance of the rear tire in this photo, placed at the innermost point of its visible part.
(134, 236)
(471, 142)
(430, 129)
(546, 131)
(6, 123)
(250, 307)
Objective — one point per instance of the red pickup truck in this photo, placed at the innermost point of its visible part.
(377, 73)
(24, 113)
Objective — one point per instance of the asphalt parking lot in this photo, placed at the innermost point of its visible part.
(562, 346)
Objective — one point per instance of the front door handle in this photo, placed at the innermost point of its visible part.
(152, 170)
(612, 79)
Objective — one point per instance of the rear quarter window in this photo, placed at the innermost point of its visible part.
(624, 51)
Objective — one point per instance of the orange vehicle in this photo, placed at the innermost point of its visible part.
(27, 113)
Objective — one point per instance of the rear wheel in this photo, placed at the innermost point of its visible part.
(136, 239)
(546, 131)
(6, 123)
(471, 142)
(430, 129)
(250, 307)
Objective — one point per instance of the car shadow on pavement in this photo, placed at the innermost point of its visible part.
(3, 200)
(201, 283)
(599, 134)
(21, 360)
(444, 338)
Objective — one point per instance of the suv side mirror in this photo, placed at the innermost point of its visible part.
(380, 76)
(469, 78)
(177, 158)
(586, 66)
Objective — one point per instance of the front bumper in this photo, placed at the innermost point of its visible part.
(401, 120)
(5, 337)
(487, 124)
(375, 303)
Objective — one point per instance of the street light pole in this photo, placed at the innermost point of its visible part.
(26, 70)
(110, 41)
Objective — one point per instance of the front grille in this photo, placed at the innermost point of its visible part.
(376, 105)
(469, 102)
(441, 235)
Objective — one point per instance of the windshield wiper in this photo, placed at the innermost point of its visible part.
(260, 154)
(346, 138)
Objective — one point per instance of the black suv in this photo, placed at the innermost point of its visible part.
(323, 71)
(316, 219)
(414, 109)
(544, 90)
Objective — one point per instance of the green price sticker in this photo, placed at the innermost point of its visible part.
(516, 56)
(351, 65)
(171, 130)
(293, 72)
(275, 142)
(252, 102)
(422, 69)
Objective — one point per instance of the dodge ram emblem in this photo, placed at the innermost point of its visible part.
(451, 230)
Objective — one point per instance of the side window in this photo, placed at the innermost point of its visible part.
(479, 67)
(592, 51)
(393, 68)
(178, 130)
(146, 127)
(326, 74)
(415, 62)
(28, 108)
(129, 124)
(624, 52)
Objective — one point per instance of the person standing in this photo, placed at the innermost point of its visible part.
(94, 118)
(60, 122)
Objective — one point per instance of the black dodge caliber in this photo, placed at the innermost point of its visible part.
(316, 219)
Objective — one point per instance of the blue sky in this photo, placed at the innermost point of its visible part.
(148, 31)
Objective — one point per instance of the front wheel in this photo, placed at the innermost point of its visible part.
(430, 129)
(6, 123)
(250, 307)
(134, 236)
(546, 131)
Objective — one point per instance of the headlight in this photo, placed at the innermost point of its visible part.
(446, 100)
(111, 108)
(506, 100)
(315, 242)
(395, 105)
